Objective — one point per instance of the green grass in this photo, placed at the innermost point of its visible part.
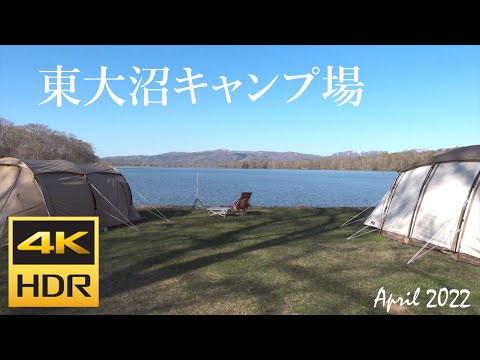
(271, 261)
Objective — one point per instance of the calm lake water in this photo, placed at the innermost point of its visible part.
(317, 188)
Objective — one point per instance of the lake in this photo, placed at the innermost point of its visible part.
(317, 188)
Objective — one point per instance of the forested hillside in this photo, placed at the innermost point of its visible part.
(207, 158)
(221, 158)
(39, 142)
(381, 161)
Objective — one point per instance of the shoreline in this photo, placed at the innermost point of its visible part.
(233, 168)
(253, 207)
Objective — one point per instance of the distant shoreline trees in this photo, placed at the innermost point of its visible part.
(377, 162)
(39, 142)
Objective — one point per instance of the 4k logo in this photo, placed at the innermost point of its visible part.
(45, 247)
(53, 262)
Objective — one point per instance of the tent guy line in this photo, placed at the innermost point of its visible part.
(60, 187)
(445, 187)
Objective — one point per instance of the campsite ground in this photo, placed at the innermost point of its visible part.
(271, 261)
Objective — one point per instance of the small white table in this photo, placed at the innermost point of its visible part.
(219, 210)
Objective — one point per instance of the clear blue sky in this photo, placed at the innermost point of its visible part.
(413, 97)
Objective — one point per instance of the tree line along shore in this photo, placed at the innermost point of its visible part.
(39, 142)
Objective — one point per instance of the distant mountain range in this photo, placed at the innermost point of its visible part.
(206, 158)
(222, 157)
(354, 153)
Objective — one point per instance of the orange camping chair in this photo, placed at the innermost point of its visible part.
(242, 205)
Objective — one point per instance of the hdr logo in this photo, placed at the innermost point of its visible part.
(53, 261)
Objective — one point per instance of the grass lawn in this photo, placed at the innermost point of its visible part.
(271, 261)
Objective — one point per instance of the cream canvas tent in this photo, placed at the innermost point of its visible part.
(61, 188)
(435, 203)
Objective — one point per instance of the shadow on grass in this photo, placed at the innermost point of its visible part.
(309, 266)
(170, 213)
(251, 212)
(223, 293)
(232, 237)
(139, 274)
(315, 227)
(270, 299)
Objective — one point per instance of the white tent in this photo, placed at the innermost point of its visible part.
(436, 203)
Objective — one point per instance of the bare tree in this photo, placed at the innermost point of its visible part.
(39, 142)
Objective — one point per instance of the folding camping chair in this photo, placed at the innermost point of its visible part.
(241, 206)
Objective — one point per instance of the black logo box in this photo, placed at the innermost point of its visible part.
(23, 229)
